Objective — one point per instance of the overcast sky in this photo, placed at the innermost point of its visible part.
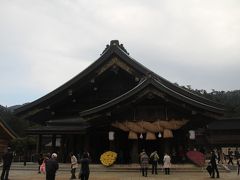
(45, 43)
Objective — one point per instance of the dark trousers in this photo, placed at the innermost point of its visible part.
(154, 167)
(238, 168)
(50, 176)
(230, 161)
(73, 170)
(144, 171)
(214, 168)
(5, 172)
(167, 170)
(84, 176)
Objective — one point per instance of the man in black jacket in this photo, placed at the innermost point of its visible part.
(214, 164)
(51, 167)
(7, 161)
(84, 171)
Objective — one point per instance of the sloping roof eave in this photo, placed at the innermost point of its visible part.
(112, 50)
(141, 86)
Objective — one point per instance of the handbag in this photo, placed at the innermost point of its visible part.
(209, 169)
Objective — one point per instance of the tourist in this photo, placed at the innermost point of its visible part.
(7, 161)
(144, 161)
(40, 161)
(238, 166)
(84, 171)
(167, 163)
(214, 165)
(74, 165)
(230, 156)
(236, 153)
(51, 167)
(154, 159)
(217, 153)
(43, 165)
(220, 156)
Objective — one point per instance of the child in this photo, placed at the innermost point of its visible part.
(43, 165)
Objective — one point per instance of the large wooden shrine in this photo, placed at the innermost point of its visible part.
(118, 104)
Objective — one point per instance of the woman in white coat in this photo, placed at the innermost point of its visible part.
(167, 163)
(74, 165)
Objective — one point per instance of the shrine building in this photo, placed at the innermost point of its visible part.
(118, 104)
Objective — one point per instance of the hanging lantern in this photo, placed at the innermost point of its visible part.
(111, 135)
(167, 133)
(150, 136)
(141, 136)
(132, 135)
(159, 134)
(192, 135)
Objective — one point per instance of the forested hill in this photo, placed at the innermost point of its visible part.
(231, 99)
(16, 124)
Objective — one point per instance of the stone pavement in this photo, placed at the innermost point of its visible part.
(31, 166)
(120, 172)
(64, 175)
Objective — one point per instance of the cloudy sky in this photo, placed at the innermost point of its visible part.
(45, 43)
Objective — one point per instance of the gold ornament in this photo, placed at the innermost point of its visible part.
(108, 158)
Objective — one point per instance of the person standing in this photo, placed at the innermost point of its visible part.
(230, 156)
(238, 166)
(144, 161)
(236, 153)
(74, 165)
(43, 165)
(154, 158)
(7, 161)
(214, 165)
(40, 161)
(51, 167)
(220, 156)
(167, 163)
(84, 171)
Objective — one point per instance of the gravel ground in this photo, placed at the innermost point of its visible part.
(32, 175)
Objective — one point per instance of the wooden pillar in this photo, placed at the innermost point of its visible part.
(112, 141)
(39, 144)
(168, 145)
(71, 143)
(86, 142)
(74, 136)
(79, 144)
(61, 150)
(112, 145)
(134, 151)
(66, 145)
(53, 143)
